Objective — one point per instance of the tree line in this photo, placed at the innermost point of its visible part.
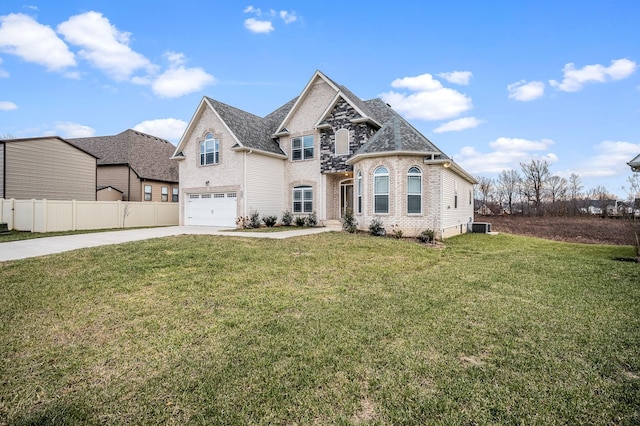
(534, 190)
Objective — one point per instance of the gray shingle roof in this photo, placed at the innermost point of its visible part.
(396, 134)
(149, 156)
(253, 131)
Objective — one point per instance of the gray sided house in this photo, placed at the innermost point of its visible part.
(46, 167)
(635, 164)
(133, 166)
(326, 152)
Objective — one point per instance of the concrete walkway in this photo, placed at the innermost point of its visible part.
(15, 250)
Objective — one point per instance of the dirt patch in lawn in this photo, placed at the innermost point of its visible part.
(588, 230)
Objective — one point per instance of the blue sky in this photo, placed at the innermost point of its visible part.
(491, 83)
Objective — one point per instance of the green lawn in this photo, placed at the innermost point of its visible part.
(325, 329)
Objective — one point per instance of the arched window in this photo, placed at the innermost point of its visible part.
(209, 150)
(342, 142)
(359, 192)
(303, 199)
(381, 190)
(414, 190)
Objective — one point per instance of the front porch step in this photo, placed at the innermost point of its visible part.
(333, 223)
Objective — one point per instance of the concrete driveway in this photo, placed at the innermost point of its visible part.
(15, 250)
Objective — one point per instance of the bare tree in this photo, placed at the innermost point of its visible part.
(485, 186)
(507, 185)
(633, 196)
(535, 175)
(575, 190)
(556, 189)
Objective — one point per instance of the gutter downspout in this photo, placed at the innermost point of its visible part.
(244, 183)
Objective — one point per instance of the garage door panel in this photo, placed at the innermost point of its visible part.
(218, 209)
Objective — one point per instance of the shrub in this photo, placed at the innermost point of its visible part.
(349, 222)
(397, 233)
(254, 219)
(300, 220)
(376, 228)
(426, 236)
(243, 222)
(312, 220)
(270, 221)
(287, 218)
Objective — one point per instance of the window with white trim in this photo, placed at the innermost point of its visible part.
(381, 190)
(414, 190)
(342, 142)
(302, 148)
(164, 193)
(209, 150)
(359, 192)
(147, 192)
(302, 199)
(174, 195)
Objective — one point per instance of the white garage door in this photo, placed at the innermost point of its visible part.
(218, 209)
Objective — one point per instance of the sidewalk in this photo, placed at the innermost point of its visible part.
(15, 250)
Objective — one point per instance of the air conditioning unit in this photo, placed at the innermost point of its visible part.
(480, 227)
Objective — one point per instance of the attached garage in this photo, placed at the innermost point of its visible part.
(216, 209)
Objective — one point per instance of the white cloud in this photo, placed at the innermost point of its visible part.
(74, 130)
(457, 77)
(574, 78)
(104, 46)
(506, 154)
(264, 25)
(288, 17)
(459, 124)
(166, 128)
(7, 106)
(526, 91)
(611, 159)
(431, 101)
(179, 80)
(22, 36)
(259, 27)
(519, 144)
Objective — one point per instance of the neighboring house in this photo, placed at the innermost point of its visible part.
(46, 167)
(484, 210)
(135, 165)
(326, 151)
(635, 164)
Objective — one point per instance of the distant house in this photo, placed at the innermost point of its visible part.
(484, 210)
(635, 164)
(46, 168)
(326, 152)
(135, 165)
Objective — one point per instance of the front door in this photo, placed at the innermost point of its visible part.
(346, 197)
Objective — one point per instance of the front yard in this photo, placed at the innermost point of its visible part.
(324, 329)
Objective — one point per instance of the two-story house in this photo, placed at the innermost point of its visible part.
(325, 151)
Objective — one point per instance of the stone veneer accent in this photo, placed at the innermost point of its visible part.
(359, 134)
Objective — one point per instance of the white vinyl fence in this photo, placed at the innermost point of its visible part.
(55, 216)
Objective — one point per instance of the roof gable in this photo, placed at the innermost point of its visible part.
(301, 98)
